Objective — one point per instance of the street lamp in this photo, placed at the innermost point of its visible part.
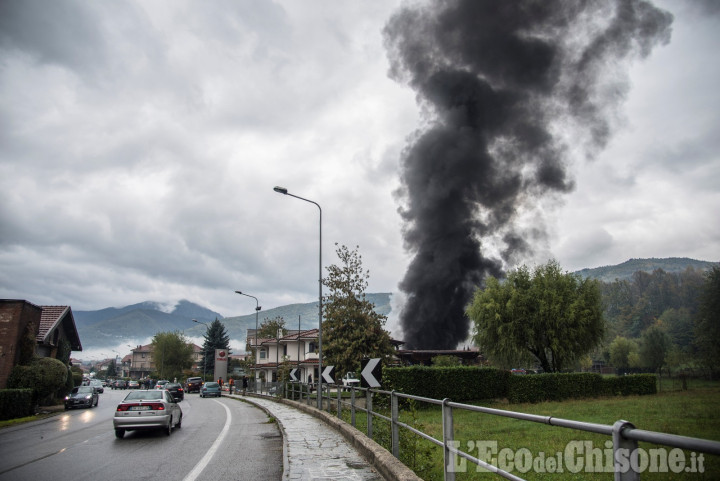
(257, 310)
(203, 351)
(284, 191)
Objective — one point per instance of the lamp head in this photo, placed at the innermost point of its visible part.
(281, 190)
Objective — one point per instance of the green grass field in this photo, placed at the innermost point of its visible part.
(694, 413)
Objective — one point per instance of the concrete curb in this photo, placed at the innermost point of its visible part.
(380, 458)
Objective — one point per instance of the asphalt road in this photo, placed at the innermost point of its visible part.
(220, 439)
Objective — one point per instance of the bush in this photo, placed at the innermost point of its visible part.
(461, 383)
(16, 403)
(635, 384)
(45, 376)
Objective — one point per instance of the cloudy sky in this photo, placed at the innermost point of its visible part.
(140, 142)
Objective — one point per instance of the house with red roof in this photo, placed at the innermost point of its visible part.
(28, 330)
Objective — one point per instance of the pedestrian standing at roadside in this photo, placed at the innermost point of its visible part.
(244, 384)
(231, 385)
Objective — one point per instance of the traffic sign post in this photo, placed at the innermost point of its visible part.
(371, 373)
(293, 375)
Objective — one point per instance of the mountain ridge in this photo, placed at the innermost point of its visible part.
(114, 326)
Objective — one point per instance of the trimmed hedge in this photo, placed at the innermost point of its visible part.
(462, 384)
(16, 403)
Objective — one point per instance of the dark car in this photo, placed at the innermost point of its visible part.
(98, 385)
(147, 409)
(210, 389)
(119, 384)
(193, 384)
(176, 390)
(82, 396)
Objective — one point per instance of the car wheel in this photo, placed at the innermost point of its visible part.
(179, 424)
(169, 428)
(119, 433)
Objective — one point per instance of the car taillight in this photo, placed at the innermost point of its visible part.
(179, 389)
(156, 406)
(125, 407)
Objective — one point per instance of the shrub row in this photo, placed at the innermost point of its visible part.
(16, 403)
(462, 384)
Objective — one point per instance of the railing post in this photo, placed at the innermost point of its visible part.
(352, 406)
(448, 438)
(394, 415)
(339, 392)
(368, 406)
(624, 450)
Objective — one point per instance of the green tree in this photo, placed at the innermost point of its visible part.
(707, 323)
(446, 361)
(270, 327)
(555, 316)
(216, 337)
(172, 353)
(654, 348)
(112, 369)
(351, 328)
(623, 352)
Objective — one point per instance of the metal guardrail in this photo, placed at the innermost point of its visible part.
(626, 455)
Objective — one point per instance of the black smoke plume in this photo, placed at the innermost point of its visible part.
(503, 86)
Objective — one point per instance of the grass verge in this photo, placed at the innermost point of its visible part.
(688, 413)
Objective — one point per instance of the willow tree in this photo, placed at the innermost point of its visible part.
(555, 316)
(351, 328)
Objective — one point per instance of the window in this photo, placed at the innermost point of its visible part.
(312, 347)
(263, 354)
(284, 349)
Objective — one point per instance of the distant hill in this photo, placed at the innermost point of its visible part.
(629, 267)
(113, 326)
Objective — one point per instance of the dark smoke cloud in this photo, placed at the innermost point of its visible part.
(496, 79)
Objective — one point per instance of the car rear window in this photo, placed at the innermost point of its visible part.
(212, 384)
(144, 395)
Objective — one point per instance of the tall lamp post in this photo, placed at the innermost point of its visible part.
(257, 310)
(203, 351)
(284, 191)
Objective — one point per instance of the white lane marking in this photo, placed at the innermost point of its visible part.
(192, 475)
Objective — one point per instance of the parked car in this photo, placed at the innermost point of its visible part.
(161, 384)
(176, 390)
(119, 384)
(82, 396)
(147, 409)
(351, 379)
(132, 384)
(98, 385)
(193, 384)
(210, 389)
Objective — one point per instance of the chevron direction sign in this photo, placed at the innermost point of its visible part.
(371, 373)
(328, 374)
(293, 375)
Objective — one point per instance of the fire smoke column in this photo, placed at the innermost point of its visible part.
(501, 83)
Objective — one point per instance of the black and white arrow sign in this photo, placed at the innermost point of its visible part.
(371, 373)
(328, 374)
(293, 375)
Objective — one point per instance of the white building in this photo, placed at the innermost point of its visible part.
(298, 348)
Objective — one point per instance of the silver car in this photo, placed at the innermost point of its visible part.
(147, 409)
